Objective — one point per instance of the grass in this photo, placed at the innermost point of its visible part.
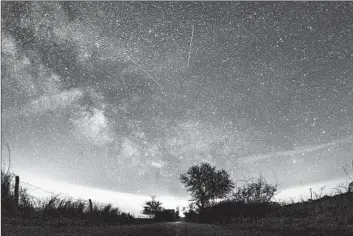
(56, 208)
(7, 199)
(337, 209)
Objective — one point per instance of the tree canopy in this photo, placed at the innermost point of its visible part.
(206, 184)
(152, 207)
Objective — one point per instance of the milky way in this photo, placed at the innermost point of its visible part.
(101, 94)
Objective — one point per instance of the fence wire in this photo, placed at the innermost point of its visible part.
(49, 192)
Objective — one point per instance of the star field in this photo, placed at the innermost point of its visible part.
(100, 93)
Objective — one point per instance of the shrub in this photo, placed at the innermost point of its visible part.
(107, 214)
(255, 192)
(224, 211)
(152, 207)
(62, 207)
(191, 216)
(7, 197)
(26, 207)
(6, 180)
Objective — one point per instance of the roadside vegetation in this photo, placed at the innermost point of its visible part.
(253, 206)
(215, 200)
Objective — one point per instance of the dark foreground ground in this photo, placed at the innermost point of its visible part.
(20, 227)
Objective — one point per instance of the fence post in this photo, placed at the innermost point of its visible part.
(17, 183)
(90, 205)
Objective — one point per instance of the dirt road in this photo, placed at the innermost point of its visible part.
(156, 229)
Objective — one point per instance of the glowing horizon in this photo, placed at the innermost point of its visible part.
(133, 203)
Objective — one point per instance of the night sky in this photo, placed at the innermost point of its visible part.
(100, 94)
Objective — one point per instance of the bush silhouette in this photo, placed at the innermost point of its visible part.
(56, 207)
(255, 192)
(191, 216)
(7, 197)
(26, 207)
(152, 207)
(224, 211)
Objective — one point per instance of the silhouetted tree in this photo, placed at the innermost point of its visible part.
(256, 192)
(206, 184)
(152, 207)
